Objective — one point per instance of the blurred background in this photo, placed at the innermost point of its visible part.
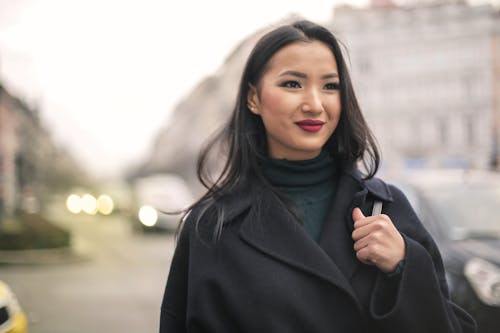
(104, 106)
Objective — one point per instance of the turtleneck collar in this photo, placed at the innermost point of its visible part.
(285, 173)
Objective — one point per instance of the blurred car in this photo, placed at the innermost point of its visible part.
(158, 197)
(12, 318)
(461, 209)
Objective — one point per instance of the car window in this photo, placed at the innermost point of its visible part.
(468, 209)
(435, 229)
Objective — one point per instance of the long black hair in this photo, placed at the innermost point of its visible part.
(243, 138)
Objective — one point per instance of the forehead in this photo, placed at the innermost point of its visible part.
(314, 55)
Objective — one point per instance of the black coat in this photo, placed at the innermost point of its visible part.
(268, 275)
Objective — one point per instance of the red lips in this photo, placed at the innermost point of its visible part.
(310, 125)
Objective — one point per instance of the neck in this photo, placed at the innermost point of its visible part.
(286, 173)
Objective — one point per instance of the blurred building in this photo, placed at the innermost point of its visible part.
(427, 78)
(30, 163)
(195, 118)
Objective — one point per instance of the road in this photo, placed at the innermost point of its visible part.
(116, 287)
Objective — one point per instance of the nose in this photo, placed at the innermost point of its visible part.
(312, 101)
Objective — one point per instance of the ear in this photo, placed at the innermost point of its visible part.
(253, 102)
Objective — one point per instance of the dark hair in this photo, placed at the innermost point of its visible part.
(244, 136)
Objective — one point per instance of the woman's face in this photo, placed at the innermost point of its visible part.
(298, 99)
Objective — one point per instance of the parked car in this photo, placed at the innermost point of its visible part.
(158, 196)
(461, 209)
(12, 317)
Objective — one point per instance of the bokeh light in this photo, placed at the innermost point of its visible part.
(105, 204)
(89, 204)
(148, 216)
(74, 203)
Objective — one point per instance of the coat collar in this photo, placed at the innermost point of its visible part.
(273, 231)
(335, 239)
(352, 191)
(374, 186)
(243, 197)
(280, 237)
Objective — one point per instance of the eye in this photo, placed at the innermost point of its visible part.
(290, 84)
(332, 86)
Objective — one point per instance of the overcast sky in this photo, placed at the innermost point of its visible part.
(106, 73)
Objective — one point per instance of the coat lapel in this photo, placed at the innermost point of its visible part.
(282, 238)
(335, 237)
(336, 240)
(273, 231)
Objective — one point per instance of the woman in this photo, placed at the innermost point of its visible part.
(283, 240)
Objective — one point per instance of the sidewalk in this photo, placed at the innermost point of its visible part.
(90, 236)
(64, 255)
(42, 256)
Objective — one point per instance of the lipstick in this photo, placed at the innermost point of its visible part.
(310, 125)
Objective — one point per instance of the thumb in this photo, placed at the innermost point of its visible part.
(357, 214)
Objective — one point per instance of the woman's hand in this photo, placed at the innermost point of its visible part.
(377, 241)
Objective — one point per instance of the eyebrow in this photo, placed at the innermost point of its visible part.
(304, 76)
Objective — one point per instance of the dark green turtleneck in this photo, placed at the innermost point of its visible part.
(309, 184)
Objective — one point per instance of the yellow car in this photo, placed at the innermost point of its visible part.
(12, 318)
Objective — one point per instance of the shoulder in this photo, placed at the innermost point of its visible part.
(381, 189)
(200, 216)
(404, 216)
(395, 199)
(208, 216)
(395, 202)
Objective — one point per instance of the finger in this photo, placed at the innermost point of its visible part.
(379, 221)
(360, 243)
(364, 256)
(375, 238)
(365, 221)
(357, 214)
(365, 228)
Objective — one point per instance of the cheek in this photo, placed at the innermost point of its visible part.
(275, 102)
(334, 112)
(335, 108)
